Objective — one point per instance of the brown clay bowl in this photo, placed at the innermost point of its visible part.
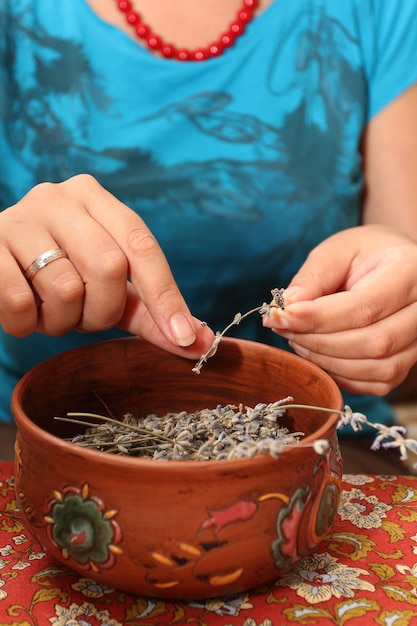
(174, 529)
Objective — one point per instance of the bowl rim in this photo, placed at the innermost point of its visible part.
(23, 421)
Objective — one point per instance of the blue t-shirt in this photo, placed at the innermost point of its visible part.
(240, 165)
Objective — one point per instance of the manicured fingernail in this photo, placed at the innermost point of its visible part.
(182, 330)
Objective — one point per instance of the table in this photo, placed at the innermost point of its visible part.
(364, 572)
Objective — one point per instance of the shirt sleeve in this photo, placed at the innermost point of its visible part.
(390, 50)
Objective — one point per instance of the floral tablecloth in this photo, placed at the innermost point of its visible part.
(365, 572)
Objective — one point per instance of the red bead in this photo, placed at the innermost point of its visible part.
(237, 28)
(228, 39)
(143, 31)
(244, 16)
(215, 49)
(168, 50)
(201, 54)
(124, 5)
(133, 18)
(251, 4)
(154, 42)
(184, 55)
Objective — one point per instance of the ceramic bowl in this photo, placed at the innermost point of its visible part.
(174, 529)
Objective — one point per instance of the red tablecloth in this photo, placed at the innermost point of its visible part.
(365, 572)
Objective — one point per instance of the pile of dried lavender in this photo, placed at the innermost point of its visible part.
(226, 432)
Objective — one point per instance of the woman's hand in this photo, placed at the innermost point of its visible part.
(106, 243)
(352, 308)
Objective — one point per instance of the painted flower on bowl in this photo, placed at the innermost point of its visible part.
(82, 528)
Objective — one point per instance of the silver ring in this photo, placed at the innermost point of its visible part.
(44, 259)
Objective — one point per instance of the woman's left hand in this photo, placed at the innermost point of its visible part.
(352, 308)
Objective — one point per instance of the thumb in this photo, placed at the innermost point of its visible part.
(324, 271)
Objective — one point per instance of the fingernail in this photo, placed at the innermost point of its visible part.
(290, 294)
(182, 330)
(281, 322)
(276, 319)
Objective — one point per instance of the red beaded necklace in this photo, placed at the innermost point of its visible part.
(154, 42)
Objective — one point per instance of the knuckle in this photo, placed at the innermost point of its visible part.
(41, 191)
(47, 193)
(113, 266)
(365, 315)
(18, 303)
(381, 346)
(29, 208)
(33, 202)
(50, 192)
(19, 331)
(375, 388)
(18, 313)
(69, 288)
(56, 330)
(384, 388)
(164, 294)
(107, 319)
(390, 371)
(85, 180)
(141, 243)
(110, 321)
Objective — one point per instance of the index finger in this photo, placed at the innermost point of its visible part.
(148, 268)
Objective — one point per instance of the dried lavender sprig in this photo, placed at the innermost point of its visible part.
(394, 434)
(264, 309)
(110, 420)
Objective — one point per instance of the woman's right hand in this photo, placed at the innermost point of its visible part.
(115, 275)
